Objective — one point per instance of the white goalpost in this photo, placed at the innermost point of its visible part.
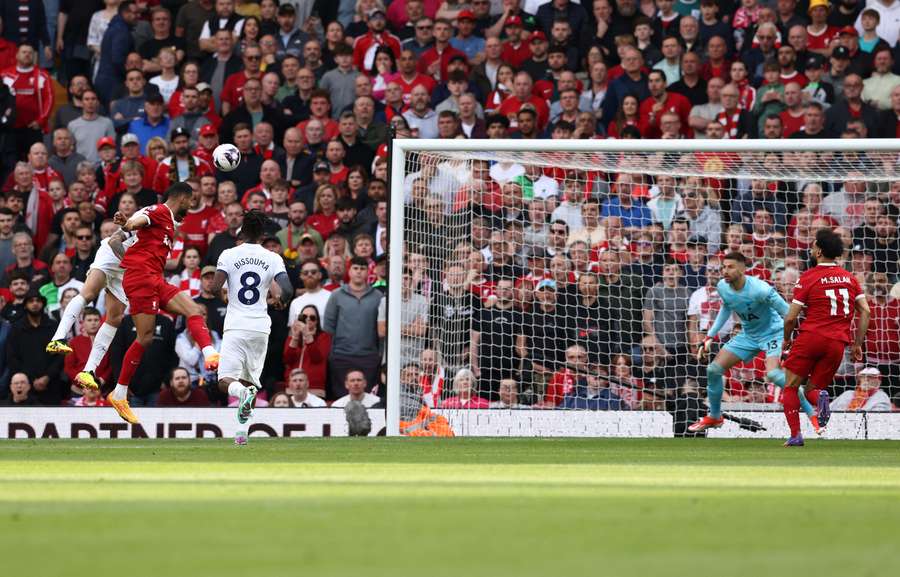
(560, 287)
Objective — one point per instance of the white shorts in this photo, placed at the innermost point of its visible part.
(106, 262)
(243, 355)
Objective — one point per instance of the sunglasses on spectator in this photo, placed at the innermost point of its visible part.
(84, 237)
(305, 318)
(424, 26)
(308, 272)
(252, 56)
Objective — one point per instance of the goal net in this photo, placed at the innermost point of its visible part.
(561, 287)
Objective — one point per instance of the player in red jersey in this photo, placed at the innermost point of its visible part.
(147, 290)
(830, 296)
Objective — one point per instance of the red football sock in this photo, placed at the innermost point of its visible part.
(791, 402)
(130, 362)
(812, 395)
(197, 327)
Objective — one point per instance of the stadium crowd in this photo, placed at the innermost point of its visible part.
(573, 289)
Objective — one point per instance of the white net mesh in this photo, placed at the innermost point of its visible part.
(584, 280)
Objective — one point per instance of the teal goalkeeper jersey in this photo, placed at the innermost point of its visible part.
(758, 305)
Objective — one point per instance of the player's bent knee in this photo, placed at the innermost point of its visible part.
(715, 369)
(773, 374)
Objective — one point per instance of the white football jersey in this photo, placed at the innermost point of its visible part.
(250, 269)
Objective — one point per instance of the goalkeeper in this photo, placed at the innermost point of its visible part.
(761, 310)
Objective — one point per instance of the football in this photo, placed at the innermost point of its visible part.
(226, 157)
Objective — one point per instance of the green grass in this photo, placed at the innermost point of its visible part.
(460, 507)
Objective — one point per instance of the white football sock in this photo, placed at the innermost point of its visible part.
(120, 392)
(235, 388)
(69, 317)
(102, 340)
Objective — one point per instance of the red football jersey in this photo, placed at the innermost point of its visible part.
(154, 241)
(194, 228)
(829, 294)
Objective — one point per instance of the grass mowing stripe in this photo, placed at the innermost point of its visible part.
(520, 507)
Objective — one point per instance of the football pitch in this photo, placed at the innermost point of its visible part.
(460, 507)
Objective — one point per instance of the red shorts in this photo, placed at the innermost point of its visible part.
(147, 293)
(816, 358)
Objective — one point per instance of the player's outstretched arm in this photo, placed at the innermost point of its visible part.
(284, 290)
(777, 303)
(721, 319)
(862, 326)
(137, 221)
(116, 241)
(218, 281)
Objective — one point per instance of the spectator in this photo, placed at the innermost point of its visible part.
(591, 392)
(665, 310)
(633, 212)
(90, 127)
(308, 348)
(852, 106)
(420, 117)
(300, 395)
(179, 393)
(64, 159)
(26, 354)
(61, 279)
(212, 303)
(117, 44)
(33, 93)
(20, 392)
(355, 385)
(14, 308)
(350, 318)
(36, 271)
(867, 396)
(465, 395)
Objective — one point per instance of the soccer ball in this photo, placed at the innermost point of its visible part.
(226, 157)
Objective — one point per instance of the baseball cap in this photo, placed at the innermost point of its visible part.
(321, 166)
(208, 130)
(106, 141)
(307, 237)
(270, 238)
(180, 131)
(817, 3)
(841, 53)
(154, 97)
(203, 86)
(513, 21)
(130, 138)
(869, 372)
(848, 30)
(377, 13)
(537, 35)
(546, 283)
(208, 269)
(697, 240)
(815, 61)
(466, 15)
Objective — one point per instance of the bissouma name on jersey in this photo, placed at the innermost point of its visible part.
(254, 261)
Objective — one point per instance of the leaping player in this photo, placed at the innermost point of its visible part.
(830, 296)
(148, 292)
(105, 273)
(760, 308)
(249, 270)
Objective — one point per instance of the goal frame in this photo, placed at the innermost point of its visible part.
(399, 148)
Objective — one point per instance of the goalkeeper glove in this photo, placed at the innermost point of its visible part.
(703, 349)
